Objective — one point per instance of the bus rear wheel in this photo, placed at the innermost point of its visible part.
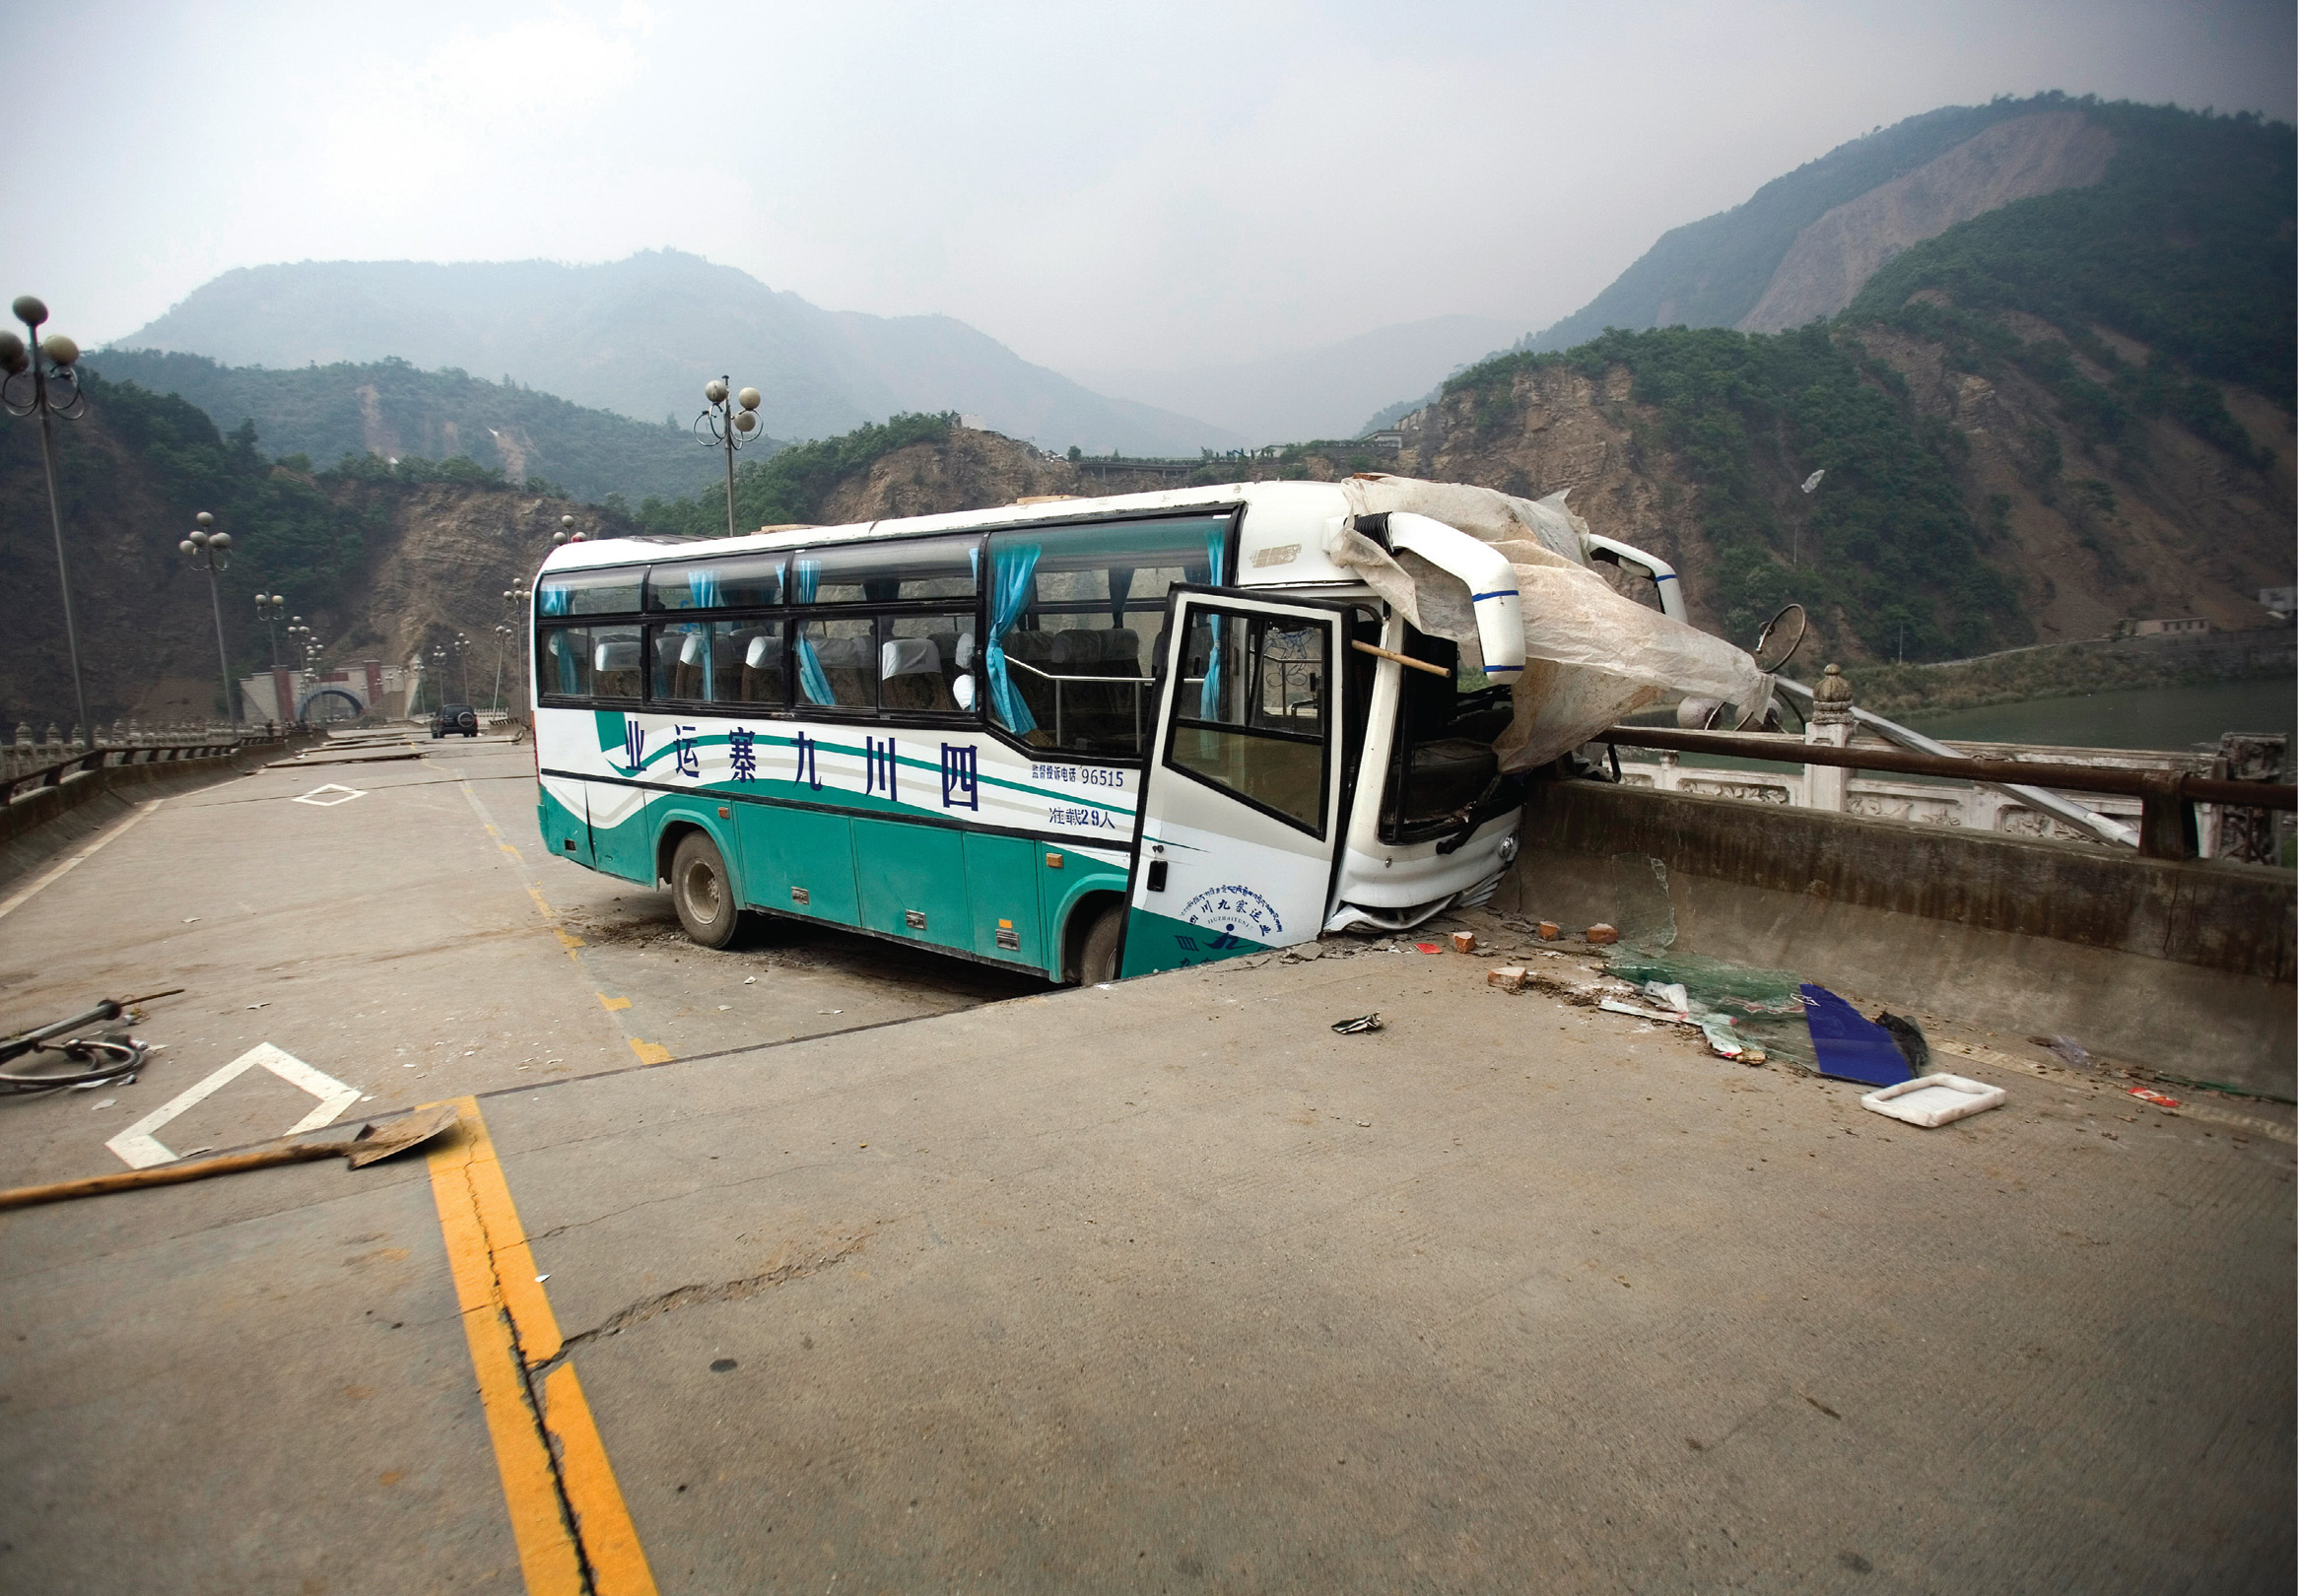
(701, 892)
(1096, 958)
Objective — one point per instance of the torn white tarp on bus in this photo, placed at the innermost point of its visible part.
(1590, 655)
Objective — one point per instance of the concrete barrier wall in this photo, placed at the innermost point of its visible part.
(2186, 966)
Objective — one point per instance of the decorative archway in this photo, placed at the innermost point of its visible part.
(303, 708)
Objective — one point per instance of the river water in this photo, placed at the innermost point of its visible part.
(2169, 718)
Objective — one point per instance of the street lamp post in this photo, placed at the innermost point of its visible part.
(268, 606)
(52, 389)
(299, 649)
(731, 422)
(566, 533)
(212, 551)
(462, 647)
(514, 598)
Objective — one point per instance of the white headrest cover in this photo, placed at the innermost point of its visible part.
(908, 656)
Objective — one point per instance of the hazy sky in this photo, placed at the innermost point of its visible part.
(1098, 187)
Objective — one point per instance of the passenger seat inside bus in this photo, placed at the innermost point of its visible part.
(762, 666)
(615, 668)
(910, 675)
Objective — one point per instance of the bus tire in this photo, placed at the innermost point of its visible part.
(701, 892)
(1096, 957)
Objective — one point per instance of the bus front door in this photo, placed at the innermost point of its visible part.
(1244, 800)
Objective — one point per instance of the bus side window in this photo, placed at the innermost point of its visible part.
(615, 662)
(837, 663)
(1250, 717)
(1076, 615)
(563, 662)
(924, 662)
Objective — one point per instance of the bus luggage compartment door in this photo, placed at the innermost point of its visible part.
(1242, 800)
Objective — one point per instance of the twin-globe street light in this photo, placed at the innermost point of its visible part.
(267, 610)
(514, 598)
(731, 422)
(211, 550)
(42, 380)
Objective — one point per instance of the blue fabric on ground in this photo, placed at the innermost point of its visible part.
(1850, 1046)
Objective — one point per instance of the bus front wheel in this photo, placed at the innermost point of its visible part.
(1097, 958)
(702, 893)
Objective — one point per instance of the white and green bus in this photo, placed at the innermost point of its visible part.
(1089, 738)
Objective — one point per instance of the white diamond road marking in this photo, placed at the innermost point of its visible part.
(139, 1148)
(342, 795)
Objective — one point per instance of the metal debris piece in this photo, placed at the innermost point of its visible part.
(1359, 1026)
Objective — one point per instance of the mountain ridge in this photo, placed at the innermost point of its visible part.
(390, 408)
(639, 337)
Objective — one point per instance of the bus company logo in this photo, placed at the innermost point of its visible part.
(1233, 912)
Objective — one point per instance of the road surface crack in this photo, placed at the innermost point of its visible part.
(696, 1296)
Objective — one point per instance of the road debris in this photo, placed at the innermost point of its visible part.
(1910, 1037)
(1602, 935)
(2068, 1048)
(1933, 1100)
(1464, 941)
(1509, 978)
(1357, 1027)
(1850, 1046)
(377, 1139)
(2148, 1095)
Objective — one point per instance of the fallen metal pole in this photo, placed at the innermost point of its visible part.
(2166, 829)
(2104, 826)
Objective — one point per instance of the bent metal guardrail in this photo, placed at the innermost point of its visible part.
(58, 771)
(2166, 828)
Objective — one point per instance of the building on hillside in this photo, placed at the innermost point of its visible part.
(2179, 626)
(2280, 600)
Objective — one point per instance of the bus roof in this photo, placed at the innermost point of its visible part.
(1280, 509)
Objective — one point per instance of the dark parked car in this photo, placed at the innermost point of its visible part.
(456, 717)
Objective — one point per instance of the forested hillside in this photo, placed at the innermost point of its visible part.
(392, 410)
(1712, 272)
(2064, 414)
(382, 561)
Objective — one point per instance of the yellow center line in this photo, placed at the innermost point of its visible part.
(568, 1517)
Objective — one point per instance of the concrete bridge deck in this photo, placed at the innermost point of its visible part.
(905, 1275)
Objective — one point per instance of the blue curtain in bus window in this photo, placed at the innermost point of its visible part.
(1121, 588)
(704, 593)
(813, 681)
(556, 600)
(1013, 572)
(1209, 700)
(566, 646)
